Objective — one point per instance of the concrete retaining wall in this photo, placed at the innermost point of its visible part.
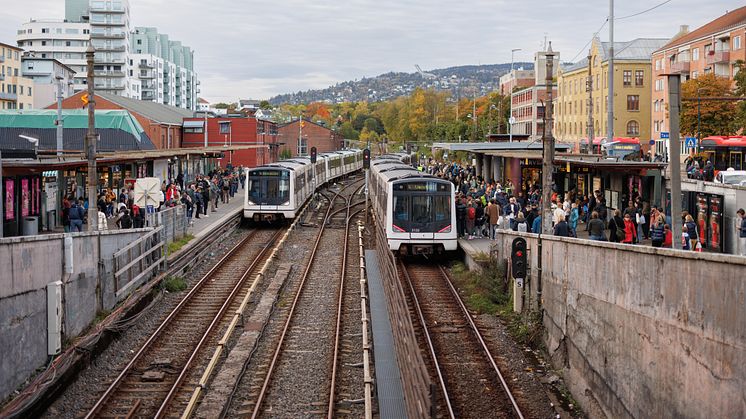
(29, 264)
(644, 332)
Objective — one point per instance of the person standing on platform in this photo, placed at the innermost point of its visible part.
(76, 215)
(658, 232)
(742, 231)
(460, 217)
(596, 228)
(691, 229)
(561, 228)
(616, 227)
(493, 212)
(574, 217)
(630, 230)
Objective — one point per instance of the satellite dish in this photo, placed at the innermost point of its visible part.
(148, 192)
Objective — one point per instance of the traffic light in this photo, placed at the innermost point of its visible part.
(84, 99)
(366, 158)
(313, 154)
(518, 258)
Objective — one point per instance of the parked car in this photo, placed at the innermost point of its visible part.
(731, 177)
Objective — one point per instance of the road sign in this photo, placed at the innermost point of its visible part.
(652, 142)
(664, 135)
(511, 120)
(690, 142)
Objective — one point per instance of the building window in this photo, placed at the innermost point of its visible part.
(633, 128)
(627, 77)
(139, 42)
(695, 54)
(639, 78)
(43, 43)
(225, 127)
(694, 74)
(302, 146)
(633, 102)
(68, 43)
(44, 30)
(86, 31)
(29, 91)
(657, 64)
(737, 42)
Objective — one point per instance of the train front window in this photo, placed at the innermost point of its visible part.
(269, 187)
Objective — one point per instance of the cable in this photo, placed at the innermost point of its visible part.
(591, 40)
(644, 11)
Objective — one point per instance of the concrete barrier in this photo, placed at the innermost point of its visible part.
(643, 332)
(30, 263)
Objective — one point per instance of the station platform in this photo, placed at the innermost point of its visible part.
(204, 225)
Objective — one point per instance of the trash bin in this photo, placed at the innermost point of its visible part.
(30, 226)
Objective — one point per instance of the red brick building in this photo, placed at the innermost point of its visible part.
(298, 140)
(161, 123)
(238, 130)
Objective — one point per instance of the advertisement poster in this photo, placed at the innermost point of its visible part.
(701, 217)
(716, 223)
(25, 198)
(9, 199)
(50, 188)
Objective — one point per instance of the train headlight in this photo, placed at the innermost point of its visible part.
(286, 204)
(250, 202)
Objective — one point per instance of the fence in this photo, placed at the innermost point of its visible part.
(139, 261)
(173, 220)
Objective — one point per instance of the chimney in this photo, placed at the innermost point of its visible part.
(683, 29)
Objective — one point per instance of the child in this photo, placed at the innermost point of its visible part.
(685, 238)
(668, 240)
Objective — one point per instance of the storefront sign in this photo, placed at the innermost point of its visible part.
(9, 199)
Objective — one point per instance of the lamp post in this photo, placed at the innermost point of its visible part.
(511, 120)
(59, 121)
(547, 166)
(91, 140)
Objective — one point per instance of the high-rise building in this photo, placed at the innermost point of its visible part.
(162, 72)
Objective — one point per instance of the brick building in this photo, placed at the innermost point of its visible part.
(298, 140)
(528, 104)
(162, 123)
(712, 48)
(236, 131)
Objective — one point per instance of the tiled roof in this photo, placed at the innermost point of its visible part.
(154, 111)
(724, 22)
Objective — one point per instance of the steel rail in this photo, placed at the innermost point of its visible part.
(214, 323)
(184, 301)
(478, 334)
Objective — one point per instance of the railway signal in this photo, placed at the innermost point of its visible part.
(313, 154)
(518, 259)
(366, 158)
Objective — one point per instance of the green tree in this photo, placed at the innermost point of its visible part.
(347, 131)
(708, 117)
(222, 105)
(265, 105)
(740, 79)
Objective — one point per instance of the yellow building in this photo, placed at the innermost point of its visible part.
(16, 91)
(632, 92)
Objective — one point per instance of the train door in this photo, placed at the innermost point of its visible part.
(736, 160)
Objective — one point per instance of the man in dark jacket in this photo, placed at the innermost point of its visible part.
(460, 217)
(76, 214)
(561, 228)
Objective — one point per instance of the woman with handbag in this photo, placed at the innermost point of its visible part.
(616, 227)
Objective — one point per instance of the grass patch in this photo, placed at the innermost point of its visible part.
(174, 284)
(178, 244)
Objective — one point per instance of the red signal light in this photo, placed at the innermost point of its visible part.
(519, 254)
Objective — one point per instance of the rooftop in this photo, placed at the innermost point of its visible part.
(640, 49)
(727, 21)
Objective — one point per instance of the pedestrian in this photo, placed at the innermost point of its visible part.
(65, 214)
(596, 228)
(520, 223)
(103, 224)
(685, 238)
(471, 214)
(125, 220)
(646, 220)
(691, 228)
(536, 225)
(561, 228)
(742, 231)
(574, 217)
(76, 215)
(616, 227)
(630, 231)
(668, 239)
(493, 213)
(658, 232)
(460, 217)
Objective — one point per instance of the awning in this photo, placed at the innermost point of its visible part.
(193, 124)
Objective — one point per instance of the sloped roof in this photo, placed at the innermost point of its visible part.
(158, 112)
(200, 100)
(118, 129)
(635, 50)
(724, 22)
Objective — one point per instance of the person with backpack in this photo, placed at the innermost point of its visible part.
(471, 215)
(691, 227)
(520, 223)
(76, 215)
(124, 221)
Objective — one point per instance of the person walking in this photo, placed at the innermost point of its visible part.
(103, 225)
(630, 230)
(493, 213)
(658, 232)
(616, 227)
(596, 228)
(574, 217)
(561, 228)
(691, 229)
(742, 231)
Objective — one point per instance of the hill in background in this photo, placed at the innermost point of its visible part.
(461, 81)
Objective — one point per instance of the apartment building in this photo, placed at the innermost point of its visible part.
(16, 91)
(139, 64)
(712, 48)
(48, 75)
(632, 87)
(528, 104)
(515, 78)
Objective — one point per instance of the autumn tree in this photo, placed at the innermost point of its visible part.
(740, 79)
(705, 118)
(317, 110)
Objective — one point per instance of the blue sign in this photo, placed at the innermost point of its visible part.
(690, 142)
(664, 135)
(652, 142)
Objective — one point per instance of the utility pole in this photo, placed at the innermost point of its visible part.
(547, 165)
(60, 145)
(610, 120)
(674, 164)
(590, 105)
(90, 143)
(205, 112)
(474, 113)
(510, 94)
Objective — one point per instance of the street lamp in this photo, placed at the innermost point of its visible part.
(511, 120)
(489, 128)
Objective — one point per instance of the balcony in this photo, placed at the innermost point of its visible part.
(95, 35)
(146, 65)
(108, 73)
(107, 87)
(106, 23)
(110, 48)
(148, 96)
(107, 60)
(680, 67)
(8, 96)
(717, 57)
(105, 9)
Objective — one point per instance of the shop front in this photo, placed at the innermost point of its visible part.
(22, 204)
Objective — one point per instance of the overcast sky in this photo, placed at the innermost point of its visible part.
(256, 49)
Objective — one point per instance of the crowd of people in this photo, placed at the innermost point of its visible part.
(199, 197)
(483, 207)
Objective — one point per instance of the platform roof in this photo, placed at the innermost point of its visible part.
(494, 146)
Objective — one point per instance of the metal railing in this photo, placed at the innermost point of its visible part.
(139, 261)
(173, 220)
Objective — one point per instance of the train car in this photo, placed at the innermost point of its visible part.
(277, 191)
(417, 210)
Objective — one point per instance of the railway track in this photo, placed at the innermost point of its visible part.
(305, 344)
(156, 374)
(469, 382)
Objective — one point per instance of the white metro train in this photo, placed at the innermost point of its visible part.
(277, 191)
(417, 210)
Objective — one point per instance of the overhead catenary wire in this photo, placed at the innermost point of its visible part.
(644, 11)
